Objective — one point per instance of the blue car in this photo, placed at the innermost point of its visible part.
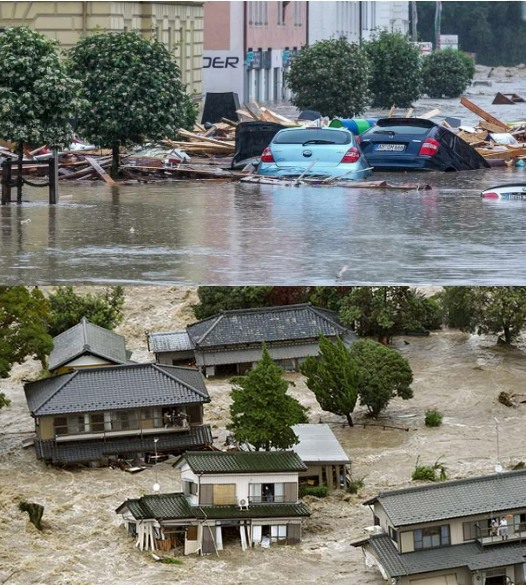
(314, 152)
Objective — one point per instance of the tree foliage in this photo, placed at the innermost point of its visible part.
(262, 413)
(331, 76)
(132, 90)
(332, 378)
(382, 374)
(446, 73)
(385, 311)
(68, 308)
(497, 310)
(395, 67)
(24, 317)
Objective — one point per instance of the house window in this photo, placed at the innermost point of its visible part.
(96, 421)
(297, 13)
(282, 7)
(476, 529)
(76, 424)
(189, 488)
(393, 534)
(124, 420)
(266, 492)
(60, 425)
(431, 537)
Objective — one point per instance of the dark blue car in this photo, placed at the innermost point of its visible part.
(416, 144)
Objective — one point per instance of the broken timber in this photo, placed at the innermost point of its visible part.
(482, 114)
(507, 98)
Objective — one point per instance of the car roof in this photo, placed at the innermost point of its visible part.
(422, 122)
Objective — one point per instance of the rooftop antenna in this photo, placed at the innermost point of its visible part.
(498, 466)
(156, 486)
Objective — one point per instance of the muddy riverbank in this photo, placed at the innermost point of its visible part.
(83, 542)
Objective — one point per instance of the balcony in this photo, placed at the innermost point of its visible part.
(516, 532)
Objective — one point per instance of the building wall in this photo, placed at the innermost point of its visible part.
(178, 25)
(85, 361)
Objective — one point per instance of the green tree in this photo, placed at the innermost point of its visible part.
(262, 413)
(215, 299)
(385, 311)
(24, 317)
(458, 308)
(395, 67)
(382, 375)
(37, 97)
(68, 308)
(332, 77)
(132, 91)
(446, 73)
(332, 378)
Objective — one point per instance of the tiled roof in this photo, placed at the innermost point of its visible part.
(96, 449)
(212, 462)
(270, 324)
(115, 387)
(470, 555)
(159, 506)
(454, 499)
(171, 506)
(85, 337)
(175, 341)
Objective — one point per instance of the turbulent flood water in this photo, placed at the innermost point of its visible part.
(83, 542)
(209, 232)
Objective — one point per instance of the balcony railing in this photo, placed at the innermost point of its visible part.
(513, 532)
(96, 432)
(266, 499)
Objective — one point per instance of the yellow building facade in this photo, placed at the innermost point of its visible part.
(178, 25)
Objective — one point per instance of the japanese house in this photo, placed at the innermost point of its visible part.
(248, 498)
(443, 534)
(232, 341)
(86, 345)
(326, 461)
(111, 412)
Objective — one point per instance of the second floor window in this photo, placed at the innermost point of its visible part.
(431, 537)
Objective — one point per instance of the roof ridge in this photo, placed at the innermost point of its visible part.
(319, 311)
(69, 375)
(159, 367)
(217, 320)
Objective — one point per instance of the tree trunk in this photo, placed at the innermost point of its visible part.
(507, 335)
(115, 161)
(19, 178)
(350, 422)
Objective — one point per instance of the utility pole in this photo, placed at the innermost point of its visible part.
(438, 15)
(414, 21)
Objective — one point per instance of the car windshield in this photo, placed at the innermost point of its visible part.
(312, 136)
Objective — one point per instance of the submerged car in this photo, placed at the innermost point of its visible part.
(415, 144)
(314, 152)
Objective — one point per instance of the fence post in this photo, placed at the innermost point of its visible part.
(53, 178)
(6, 181)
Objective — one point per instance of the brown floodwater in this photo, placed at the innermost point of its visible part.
(83, 543)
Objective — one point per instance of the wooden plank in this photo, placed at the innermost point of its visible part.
(102, 173)
(482, 113)
(391, 111)
(184, 132)
(229, 122)
(430, 114)
(490, 127)
(409, 113)
(251, 112)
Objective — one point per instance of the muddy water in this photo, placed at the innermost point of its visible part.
(82, 542)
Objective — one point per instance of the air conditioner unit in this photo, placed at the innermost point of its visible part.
(243, 504)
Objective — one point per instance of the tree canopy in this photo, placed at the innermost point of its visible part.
(24, 317)
(446, 73)
(262, 413)
(68, 307)
(396, 71)
(332, 378)
(498, 310)
(382, 374)
(332, 77)
(131, 89)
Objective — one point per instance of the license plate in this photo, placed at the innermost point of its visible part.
(390, 147)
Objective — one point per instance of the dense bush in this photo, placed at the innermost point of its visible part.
(355, 485)
(395, 67)
(435, 472)
(319, 491)
(433, 418)
(446, 74)
(332, 77)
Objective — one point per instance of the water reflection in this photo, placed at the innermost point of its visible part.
(224, 233)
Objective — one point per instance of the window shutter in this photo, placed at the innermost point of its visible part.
(290, 492)
(206, 495)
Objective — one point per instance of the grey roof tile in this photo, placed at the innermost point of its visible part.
(115, 387)
(470, 555)
(173, 341)
(454, 499)
(270, 324)
(85, 337)
(213, 462)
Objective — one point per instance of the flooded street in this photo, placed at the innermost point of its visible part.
(82, 542)
(208, 232)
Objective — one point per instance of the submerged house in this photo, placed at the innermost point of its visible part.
(111, 412)
(448, 533)
(248, 497)
(86, 345)
(231, 342)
